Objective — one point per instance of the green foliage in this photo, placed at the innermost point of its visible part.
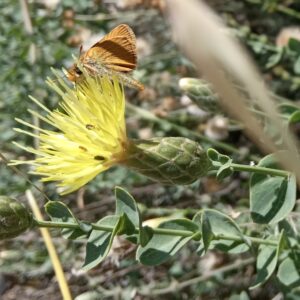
(267, 260)
(214, 226)
(223, 162)
(162, 247)
(288, 272)
(271, 198)
(209, 229)
(59, 212)
(100, 242)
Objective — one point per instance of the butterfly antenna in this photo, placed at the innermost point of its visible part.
(17, 171)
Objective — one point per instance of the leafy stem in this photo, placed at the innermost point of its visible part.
(253, 169)
(160, 231)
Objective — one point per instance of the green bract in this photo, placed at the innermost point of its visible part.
(201, 93)
(15, 218)
(171, 160)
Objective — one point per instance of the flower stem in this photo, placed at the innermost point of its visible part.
(161, 231)
(255, 169)
(252, 239)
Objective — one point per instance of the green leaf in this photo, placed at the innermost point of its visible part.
(292, 295)
(59, 212)
(225, 171)
(289, 272)
(145, 236)
(162, 247)
(297, 66)
(294, 45)
(99, 242)
(126, 226)
(290, 233)
(272, 198)
(274, 59)
(216, 224)
(232, 247)
(213, 154)
(267, 261)
(224, 159)
(206, 230)
(294, 117)
(257, 46)
(125, 203)
(242, 296)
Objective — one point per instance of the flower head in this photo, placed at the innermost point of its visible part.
(89, 136)
(15, 218)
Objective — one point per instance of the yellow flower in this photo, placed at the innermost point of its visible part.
(90, 133)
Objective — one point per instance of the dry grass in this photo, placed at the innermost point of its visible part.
(220, 58)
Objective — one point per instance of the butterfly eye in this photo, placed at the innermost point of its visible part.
(78, 71)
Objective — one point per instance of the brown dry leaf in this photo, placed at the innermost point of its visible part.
(217, 128)
(68, 23)
(159, 112)
(147, 94)
(69, 13)
(169, 103)
(212, 261)
(68, 18)
(212, 185)
(120, 249)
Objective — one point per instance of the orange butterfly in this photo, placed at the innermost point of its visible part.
(114, 54)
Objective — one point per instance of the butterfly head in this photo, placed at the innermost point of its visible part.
(74, 74)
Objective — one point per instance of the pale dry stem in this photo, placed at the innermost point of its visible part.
(220, 59)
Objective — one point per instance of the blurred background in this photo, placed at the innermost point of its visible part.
(38, 35)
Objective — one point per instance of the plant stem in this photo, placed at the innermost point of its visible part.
(161, 231)
(51, 224)
(255, 169)
(252, 239)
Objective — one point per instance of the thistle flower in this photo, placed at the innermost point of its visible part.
(90, 135)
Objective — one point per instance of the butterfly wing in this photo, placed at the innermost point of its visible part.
(116, 51)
